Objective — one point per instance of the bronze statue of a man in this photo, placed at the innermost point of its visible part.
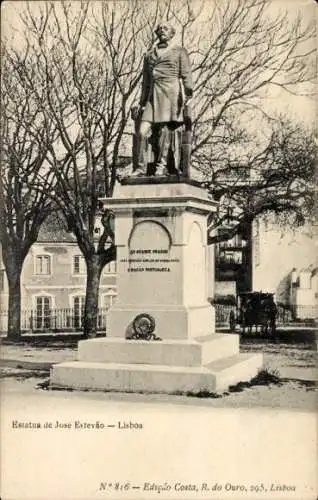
(166, 89)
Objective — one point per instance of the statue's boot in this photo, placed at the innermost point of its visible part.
(141, 169)
(139, 172)
(161, 171)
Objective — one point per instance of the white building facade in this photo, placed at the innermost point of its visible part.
(284, 261)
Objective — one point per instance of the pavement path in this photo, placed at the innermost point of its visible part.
(37, 357)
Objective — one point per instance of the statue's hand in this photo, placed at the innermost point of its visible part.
(136, 112)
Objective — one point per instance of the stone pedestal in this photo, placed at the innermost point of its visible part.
(161, 240)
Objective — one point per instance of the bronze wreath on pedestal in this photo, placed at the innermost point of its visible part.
(143, 328)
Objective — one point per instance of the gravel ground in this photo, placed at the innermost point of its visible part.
(292, 383)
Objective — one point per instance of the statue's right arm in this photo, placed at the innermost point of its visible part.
(185, 73)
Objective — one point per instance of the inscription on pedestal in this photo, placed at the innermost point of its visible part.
(149, 260)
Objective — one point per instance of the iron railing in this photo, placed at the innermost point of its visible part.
(70, 320)
(54, 320)
(285, 315)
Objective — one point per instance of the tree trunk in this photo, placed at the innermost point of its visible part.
(14, 307)
(94, 269)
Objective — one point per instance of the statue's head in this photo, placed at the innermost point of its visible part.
(165, 31)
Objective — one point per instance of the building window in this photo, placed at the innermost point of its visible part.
(109, 298)
(43, 313)
(79, 266)
(111, 267)
(43, 264)
(78, 310)
(1, 280)
(231, 257)
(235, 242)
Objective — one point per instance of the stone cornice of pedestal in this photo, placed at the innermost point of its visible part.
(161, 196)
(193, 205)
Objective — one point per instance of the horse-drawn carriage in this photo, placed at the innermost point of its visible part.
(254, 310)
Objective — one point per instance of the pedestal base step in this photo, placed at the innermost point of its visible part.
(198, 352)
(215, 377)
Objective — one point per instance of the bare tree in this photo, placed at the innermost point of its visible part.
(237, 64)
(25, 136)
(280, 179)
(88, 62)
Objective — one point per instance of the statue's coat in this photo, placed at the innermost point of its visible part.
(166, 81)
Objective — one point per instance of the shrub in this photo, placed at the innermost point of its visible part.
(225, 300)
